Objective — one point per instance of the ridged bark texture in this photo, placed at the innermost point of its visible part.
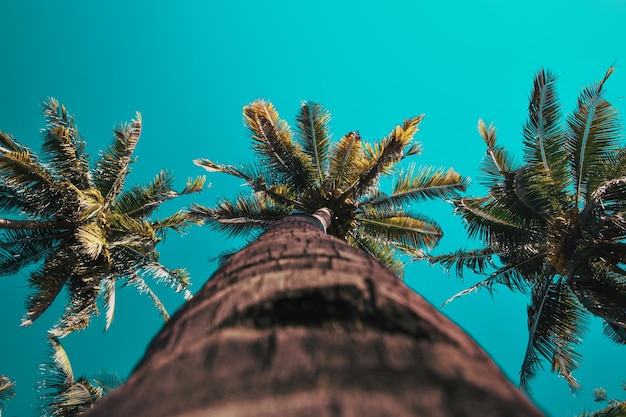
(300, 324)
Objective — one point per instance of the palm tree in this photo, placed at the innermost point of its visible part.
(7, 391)
(64, 395)
(79, 225)
(305, 172)
(298, 323)
(554, 226)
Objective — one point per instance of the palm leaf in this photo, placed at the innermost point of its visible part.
(244, 215)
(427, 183)
(347, 157)
(556, 323)
(593, 132)
(381, 156)
(113, 166)
(399, 227)
(477, 260)
(544, 141)
(64, 147)
(498, 163)
(312, 122)
(108, 295)
(22, 247)
(274, 144)
(378, 250)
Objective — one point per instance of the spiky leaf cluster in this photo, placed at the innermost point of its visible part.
(61, 393)
(304, 171)
(554, 225)
(80, 226)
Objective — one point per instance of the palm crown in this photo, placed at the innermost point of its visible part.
(555, 225)
(86, 228)
(306, 172)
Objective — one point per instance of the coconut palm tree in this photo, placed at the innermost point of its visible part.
(304, 172)
(79, 225)
(7, 392)
(62, 394)
(554, 226)
(298, 323)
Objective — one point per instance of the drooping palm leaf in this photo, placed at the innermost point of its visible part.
(7, 391)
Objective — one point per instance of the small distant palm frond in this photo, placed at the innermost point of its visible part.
(7, 391)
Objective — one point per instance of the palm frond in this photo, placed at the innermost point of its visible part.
(498, 163)
(142, 200)
(346, 158)
(244, 215)
(476, 260)
(556, 323)
(144, 289)
(312, 122)
(399, 227)
(108, 296)
(114, 163)
(544, 140)
(47, 283)
(378, 250)
(380, 157)
(63, 146)
(22, 247)
(7, 391)
(593, 132)
(83, 288)
(274, 144)
(615, 332)
(426, 183)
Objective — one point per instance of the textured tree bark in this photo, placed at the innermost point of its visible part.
(300, 324)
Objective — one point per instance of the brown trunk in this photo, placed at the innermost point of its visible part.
(300, 324)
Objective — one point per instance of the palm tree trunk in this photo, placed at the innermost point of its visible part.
(30, 224)
(300, 324)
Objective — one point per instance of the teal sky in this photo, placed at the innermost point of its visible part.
(191, 66)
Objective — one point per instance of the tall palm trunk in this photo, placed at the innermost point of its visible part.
(300, 324)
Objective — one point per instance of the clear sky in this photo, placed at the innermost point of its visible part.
(190, 66)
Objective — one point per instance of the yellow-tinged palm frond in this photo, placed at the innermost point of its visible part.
(380, 157)
(426, 183)
(92, 240)
(347, 157)
(194, 185)
(378, 250)
(109, 297)
(403, 228)
(312, 122)
(63, 147)
(275, 145)
(498, 164)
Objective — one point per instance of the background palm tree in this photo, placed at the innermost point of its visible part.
(613, 408)
(7, 391)
(306, 172)
(555, 225)
(89, 231)
(62, 394)
(298, 323)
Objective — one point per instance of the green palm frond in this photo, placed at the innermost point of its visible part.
(114, 163)
(427, 183)
(248, 213)
(556, 323)
(47, 283)
(142, 200)
(22, 247)
(84, 290)
(544, 140)
(63, 146)
(347, 157)
(476, 260)
(593, 132)
(274, 144)
(312, 122)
